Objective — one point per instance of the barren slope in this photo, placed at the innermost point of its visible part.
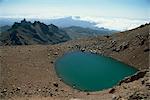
(27, 72)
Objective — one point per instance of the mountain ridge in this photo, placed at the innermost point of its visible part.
(26, 33)
(62, 22)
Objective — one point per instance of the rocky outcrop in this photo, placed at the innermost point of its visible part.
(27, 33)
(134, 77)
(122, 46)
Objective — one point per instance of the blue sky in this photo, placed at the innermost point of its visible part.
(129, 9)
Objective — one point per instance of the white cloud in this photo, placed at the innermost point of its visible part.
(115, 23)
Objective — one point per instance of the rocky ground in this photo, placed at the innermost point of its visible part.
(28, 73)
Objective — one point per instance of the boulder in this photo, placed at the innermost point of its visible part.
(146, 49)
(93, 51)
(112, 90)
(18, 89)
(83, 49)
(77, 46)
(55, 53)
(124, 45)
(55, 84)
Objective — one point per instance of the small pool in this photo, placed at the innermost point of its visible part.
(91, 72)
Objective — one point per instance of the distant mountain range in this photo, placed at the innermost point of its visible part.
(70, 21)
(79, 32)
(60, 22)
(26, 33)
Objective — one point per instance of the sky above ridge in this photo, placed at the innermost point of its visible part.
(87, 9)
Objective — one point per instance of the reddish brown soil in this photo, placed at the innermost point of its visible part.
(27, 72)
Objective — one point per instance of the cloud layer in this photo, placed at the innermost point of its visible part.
(115, 23)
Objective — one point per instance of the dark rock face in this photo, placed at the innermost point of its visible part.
(26, 33)
(112, 90)
(137, 76)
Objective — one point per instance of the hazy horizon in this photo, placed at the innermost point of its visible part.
(113, 14)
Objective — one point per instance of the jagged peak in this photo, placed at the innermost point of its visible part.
(22, 23)
(24, 20)
(52, 26)
(36, 22)
(39, 23)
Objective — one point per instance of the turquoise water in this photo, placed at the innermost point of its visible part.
(91, 72)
